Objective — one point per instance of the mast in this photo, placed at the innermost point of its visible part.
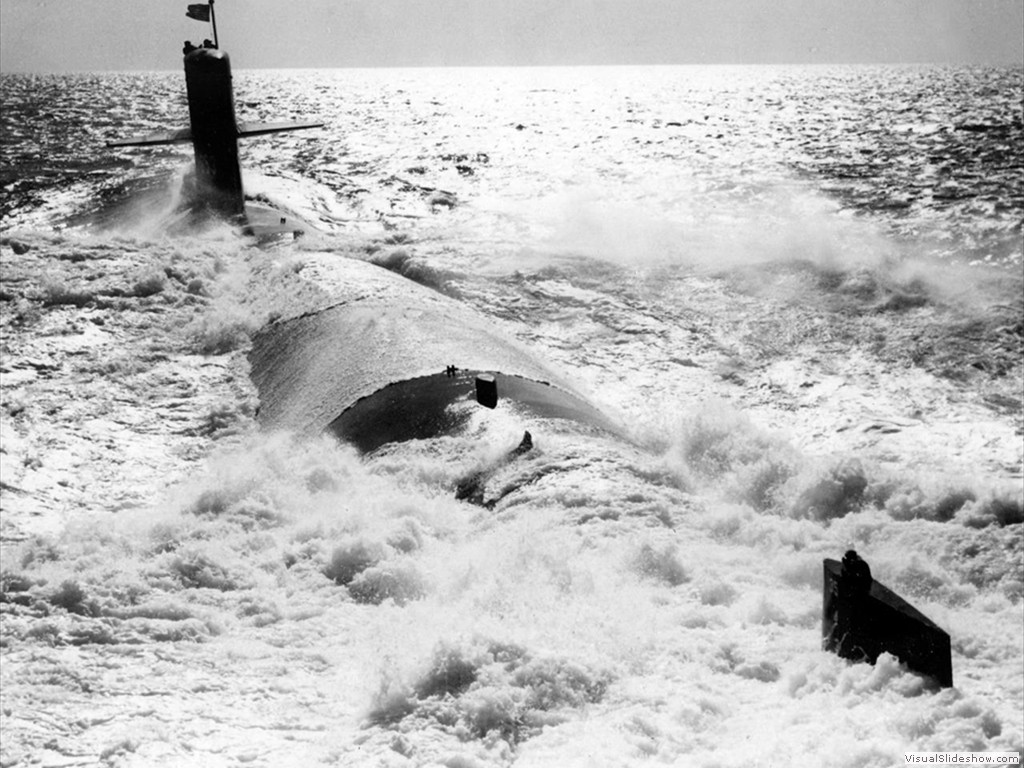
(204, 12)
(213, 20)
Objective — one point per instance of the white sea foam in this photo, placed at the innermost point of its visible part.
(795, 368)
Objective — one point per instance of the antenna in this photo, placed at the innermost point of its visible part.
(213, 20)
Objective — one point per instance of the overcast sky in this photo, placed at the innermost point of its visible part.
(59, 35)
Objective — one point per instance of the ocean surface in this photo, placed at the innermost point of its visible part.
(930, 156)
(798, 288)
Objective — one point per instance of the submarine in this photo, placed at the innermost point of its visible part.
(214, 133)
(386, 364)
(391, 361)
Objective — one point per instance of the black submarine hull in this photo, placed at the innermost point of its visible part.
(395, 361)
(440, 404)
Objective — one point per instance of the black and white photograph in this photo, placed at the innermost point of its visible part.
(511, 383)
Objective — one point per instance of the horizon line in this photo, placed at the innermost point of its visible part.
(822, 64)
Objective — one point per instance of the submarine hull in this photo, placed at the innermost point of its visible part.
(442, 404)
(390, 361)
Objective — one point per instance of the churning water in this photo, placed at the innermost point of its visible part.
(797, 289)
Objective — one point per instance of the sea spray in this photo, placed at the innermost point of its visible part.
(163, 558)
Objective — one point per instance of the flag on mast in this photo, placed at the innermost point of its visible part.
(198, 11)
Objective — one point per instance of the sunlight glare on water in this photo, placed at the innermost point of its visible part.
(796, 289)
